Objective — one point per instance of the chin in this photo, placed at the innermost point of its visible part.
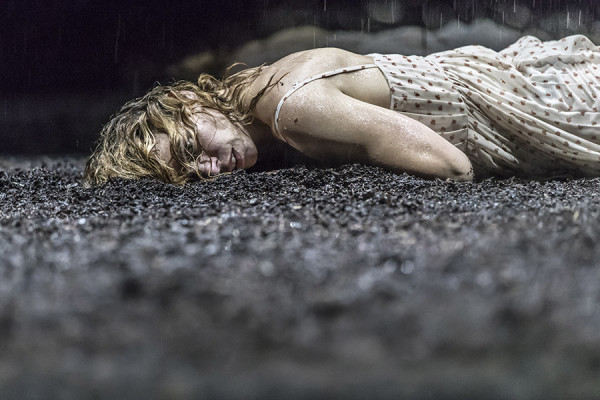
(251, 158)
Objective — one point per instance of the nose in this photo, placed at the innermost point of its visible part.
(208, 166)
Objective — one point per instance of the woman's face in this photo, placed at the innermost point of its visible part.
(225, 145)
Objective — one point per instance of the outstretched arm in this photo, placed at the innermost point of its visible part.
(326, 124)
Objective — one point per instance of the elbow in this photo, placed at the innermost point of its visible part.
(459, 169)
(461, 176)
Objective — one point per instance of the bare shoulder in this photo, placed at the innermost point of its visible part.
(296, 67)
(317, 60)
(345, 117)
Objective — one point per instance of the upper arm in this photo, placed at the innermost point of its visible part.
(327, 124)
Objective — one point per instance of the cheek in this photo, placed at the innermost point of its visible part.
(206, 137)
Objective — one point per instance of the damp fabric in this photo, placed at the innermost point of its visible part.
(530, 109)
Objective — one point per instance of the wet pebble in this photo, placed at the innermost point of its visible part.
(302, 262)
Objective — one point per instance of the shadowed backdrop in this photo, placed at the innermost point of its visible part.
(66, 66)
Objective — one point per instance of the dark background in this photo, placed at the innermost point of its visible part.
(102, 45)
(66, 66)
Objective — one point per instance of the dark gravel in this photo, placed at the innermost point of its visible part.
(341, 283)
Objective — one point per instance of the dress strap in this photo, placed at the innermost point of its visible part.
(300, 84)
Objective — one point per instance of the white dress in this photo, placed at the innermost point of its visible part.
(531, 109)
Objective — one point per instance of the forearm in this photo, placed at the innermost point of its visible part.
(425, 162)
(332, 126)
(409, 146)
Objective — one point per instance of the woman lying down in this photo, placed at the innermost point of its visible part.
(529, 110)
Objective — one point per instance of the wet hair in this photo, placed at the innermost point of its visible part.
(127, 144)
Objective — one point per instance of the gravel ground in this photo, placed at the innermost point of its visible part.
(340, 283)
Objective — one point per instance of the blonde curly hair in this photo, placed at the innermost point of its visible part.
(127, 144)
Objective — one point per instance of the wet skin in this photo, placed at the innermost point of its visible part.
(225, 146)
(343, 119)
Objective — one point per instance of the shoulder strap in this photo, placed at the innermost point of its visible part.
(300, 84)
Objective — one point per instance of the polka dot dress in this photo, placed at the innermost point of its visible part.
(531, 109)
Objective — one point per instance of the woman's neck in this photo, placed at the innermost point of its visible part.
(241, 86)
(260, 133)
